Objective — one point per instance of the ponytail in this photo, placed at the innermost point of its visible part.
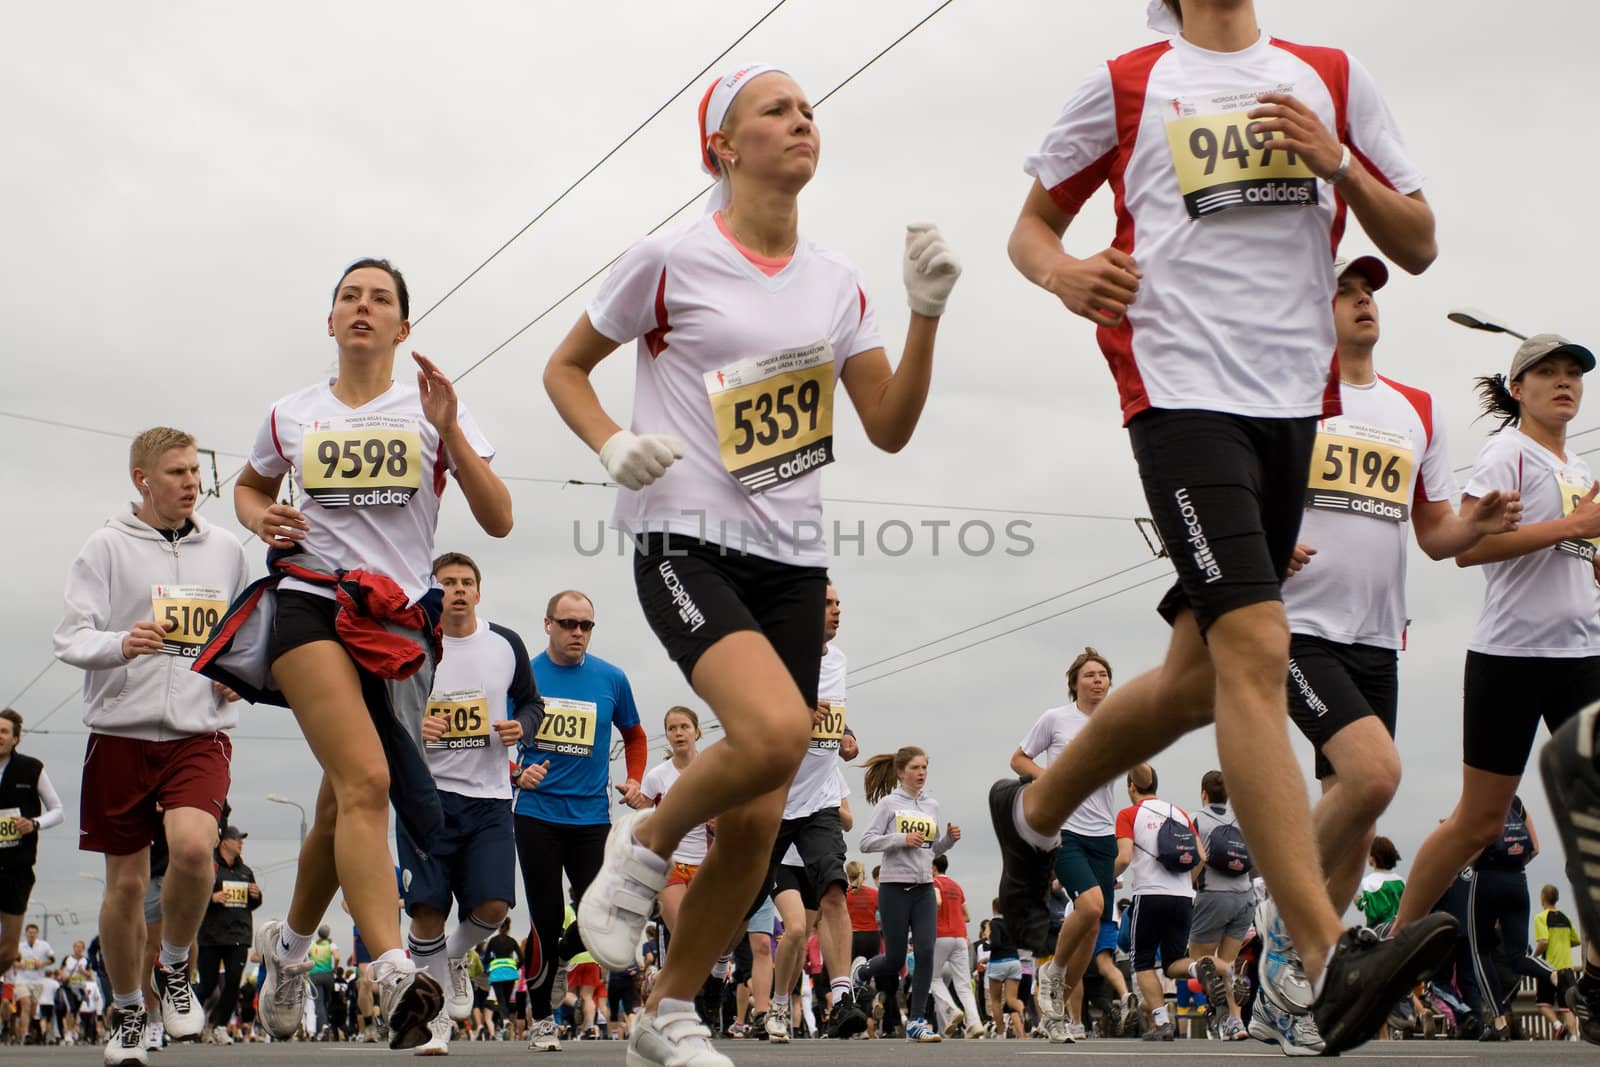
(883, 771)
(1494, 395)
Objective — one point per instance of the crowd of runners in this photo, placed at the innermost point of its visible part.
(1284, 474)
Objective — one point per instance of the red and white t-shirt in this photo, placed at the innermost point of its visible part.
(1145, 874)
(742, 365)
(1234, 238)
(369, 479)
(657, 780)
(1544, 604)
(1371, 464)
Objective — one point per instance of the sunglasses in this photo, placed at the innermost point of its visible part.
(575, 624)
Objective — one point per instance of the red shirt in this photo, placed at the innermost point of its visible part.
(952, 904)
(863, 904)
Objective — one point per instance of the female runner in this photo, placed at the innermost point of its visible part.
(682, 727)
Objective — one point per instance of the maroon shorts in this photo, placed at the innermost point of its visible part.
(125, 778)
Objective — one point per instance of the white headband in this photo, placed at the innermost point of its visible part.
(718, 99)
(1159, 17)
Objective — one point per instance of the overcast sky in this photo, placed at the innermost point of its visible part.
(187, 180)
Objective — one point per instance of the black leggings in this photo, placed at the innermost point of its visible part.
(1498, 934)
(231, 959)
(545, 849)
(906, 908)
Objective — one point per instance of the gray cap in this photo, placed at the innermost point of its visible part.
(1371, 266)
(1543, 346)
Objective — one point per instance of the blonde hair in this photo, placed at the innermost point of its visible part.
(150, 446)
(883, 771)
(855, 874)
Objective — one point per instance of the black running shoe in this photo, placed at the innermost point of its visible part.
(1216, 990)
(1025, 873)
(1583, 1000)
(846, 1020)
(1567, 764)
(1366, 976)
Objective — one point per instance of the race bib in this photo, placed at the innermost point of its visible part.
(774, 415)
(915, 822)
(567, 727)
(189, 612)
(1361, 469)
(1583, 549)
(828, 731)
(1223, 160)
(235, 894)
(466, 720)
(362, 461)
(10, 832)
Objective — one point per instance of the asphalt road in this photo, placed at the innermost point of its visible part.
(1103, 1053)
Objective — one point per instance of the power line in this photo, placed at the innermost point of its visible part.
(1014, 629)
(601, 161)
(1016, 611)
(680, 208)
(58, 424)
(51, 662)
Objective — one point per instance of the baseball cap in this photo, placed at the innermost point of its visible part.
(1371, 266)
(1543, 346)
(233, 833)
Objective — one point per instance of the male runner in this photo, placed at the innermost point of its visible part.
(1233, 157)
(28, 804)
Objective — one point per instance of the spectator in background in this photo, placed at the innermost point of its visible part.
(1379, 898)
(226, 933)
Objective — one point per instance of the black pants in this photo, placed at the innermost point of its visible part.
(230, 960)
(906, 909)
(322, 986)
(545, 850)
(1498, 935)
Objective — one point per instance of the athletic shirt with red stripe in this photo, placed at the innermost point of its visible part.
(1354, 589)
(1543, 605)
(372, 507)
(696, 304)
(1234, 311)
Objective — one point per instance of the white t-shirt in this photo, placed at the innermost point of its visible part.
(1368, 468)
(480, 680)
(1096, 816)
(1234, 311)
(698, 307)
(1544, 605)
(818, 783)
(368, 479)
(90, 1002)
(659, 779)
(33, 960)
(1145, 874)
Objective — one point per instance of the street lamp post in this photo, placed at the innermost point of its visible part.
(279, 798)
(1474, 319)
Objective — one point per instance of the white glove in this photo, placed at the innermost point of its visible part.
(930, 269)
(634, 461)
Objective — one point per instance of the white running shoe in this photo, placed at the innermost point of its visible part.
(1058, 1032)
(1281, 972)
(1051, 992)
(458, 996)
(409, 999)
(543, 1036)
(181, 1013)
(154, 1035)
(438, 1043)
(776, 1025)
(218, 1035)
(1295, 1033)
(282, 998)
(676, 1039)
(617, 904)
(125, 1042)
(1077, 1031)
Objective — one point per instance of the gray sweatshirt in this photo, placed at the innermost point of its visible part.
(897, 815)
(126, 573)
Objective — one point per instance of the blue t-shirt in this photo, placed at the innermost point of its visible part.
(581, 704)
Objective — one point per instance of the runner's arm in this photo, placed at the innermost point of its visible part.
(1022, 763)
(1098, 288)
(876, 837)
(52, 813)
(566, 379)
(1443, 534)
(1124, 856)
(1520, 542)
(889, 402)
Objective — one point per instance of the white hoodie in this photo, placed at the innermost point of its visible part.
(109, 588)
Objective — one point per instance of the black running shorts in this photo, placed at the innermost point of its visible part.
(1506, 696)
(1332, 685)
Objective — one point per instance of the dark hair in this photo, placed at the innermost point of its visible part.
(1494, 394)
(1087, 656)
(941, 863)
(1136, 779)
(555, 601)
(1212, 785)
(1384, 854)
(14, 717)
(687, 713)
(458, 559)
(1551, 894)
(882, 771)
(401, 291)
(1176, 7)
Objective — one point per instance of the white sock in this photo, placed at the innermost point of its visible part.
(1316, 987)
(1044, 842)
(129, 1001)
(1194, 968)
(780, 1001)
(839, 989)
(720, 969)
(1159, 1015)
(669, 1006)
(173, 956)
(292, 946)
(430, 956)
(467, 934)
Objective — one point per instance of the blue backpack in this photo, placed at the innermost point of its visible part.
(1177, 849)
(1226, 852)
